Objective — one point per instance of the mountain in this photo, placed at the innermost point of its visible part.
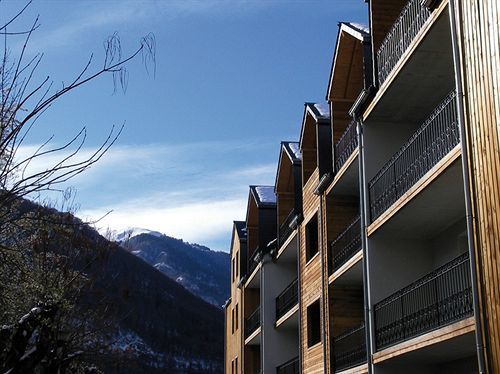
(200, 270)
(161, 326)
(146, 322)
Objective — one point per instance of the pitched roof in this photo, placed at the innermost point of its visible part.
(356, 34)
(320, 111)
(293, 151)
(264, 195)
(241, 229)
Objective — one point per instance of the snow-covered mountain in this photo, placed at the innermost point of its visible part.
(134, 231)
(197, 268)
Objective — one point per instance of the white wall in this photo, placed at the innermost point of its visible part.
(278, 345)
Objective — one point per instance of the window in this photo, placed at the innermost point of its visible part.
(232, 367)
(236, 365)
(313, 324)
(232, 321)
(233, 268)
(312, 237)
(236, 318)
(237, 264)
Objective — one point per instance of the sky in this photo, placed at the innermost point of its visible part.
(230, 82)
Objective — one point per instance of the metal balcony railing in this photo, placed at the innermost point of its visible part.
(344, 147)
(398, 39)
(252, 323)
(290, 367)
(285, 230)
(287, 299)
(346, 245)
(254, 260)
(349, 349)
(438, 299)
(428, 145)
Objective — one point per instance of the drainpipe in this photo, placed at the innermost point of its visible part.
(299, 294)
(323, 294)
(366, 278)
(468, 204)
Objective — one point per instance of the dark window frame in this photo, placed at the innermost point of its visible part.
(312, 237)
(314, 323)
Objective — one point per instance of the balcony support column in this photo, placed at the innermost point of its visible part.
(363, 224)
(467, 189)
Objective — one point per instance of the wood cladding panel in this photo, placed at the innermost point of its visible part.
(310, 280)
(345, 308)
(234, 340)
(310, 201)
(340, 212)
(478, 22)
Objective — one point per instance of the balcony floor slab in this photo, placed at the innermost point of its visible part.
(361, 369)
(349, 273)
(455, 340)
(254, 338)
(290, 319)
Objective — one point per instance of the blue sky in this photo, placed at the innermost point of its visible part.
(231, 80)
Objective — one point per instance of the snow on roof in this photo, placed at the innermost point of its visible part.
(295, 148)
(241, 228)
(323, 109)
(265, 194)
(359, 26)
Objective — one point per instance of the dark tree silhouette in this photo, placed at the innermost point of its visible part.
(45, 255)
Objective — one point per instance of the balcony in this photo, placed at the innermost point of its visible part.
(346, 245)
(254, 260)
(438, 299)
(252, 323)
(285, 230)
(400, 36)
(349, 349)
(345, 146)
(428, 145)
(287, 299)
(290, 367)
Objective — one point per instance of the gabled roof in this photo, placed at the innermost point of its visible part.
(292, 150)
(353, 31)
(264, 196)
(241, 229)
(320, 112)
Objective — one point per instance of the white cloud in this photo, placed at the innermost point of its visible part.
(200, 222)
(168, 188)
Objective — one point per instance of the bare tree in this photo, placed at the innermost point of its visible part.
(45, 256)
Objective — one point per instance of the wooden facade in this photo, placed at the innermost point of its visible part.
(479, 36)
(330, 198)
(310, 279)
(234, 308)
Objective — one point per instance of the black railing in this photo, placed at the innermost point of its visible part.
(254, 260)
(252, 323)
(428, 145)
(349, 349)
(398, 39)
(346, 245)
(287, 299)
(345, 145)
(438, 299)
(290, 367)
(285, 230)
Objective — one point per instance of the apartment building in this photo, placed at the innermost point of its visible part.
(377, 250)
